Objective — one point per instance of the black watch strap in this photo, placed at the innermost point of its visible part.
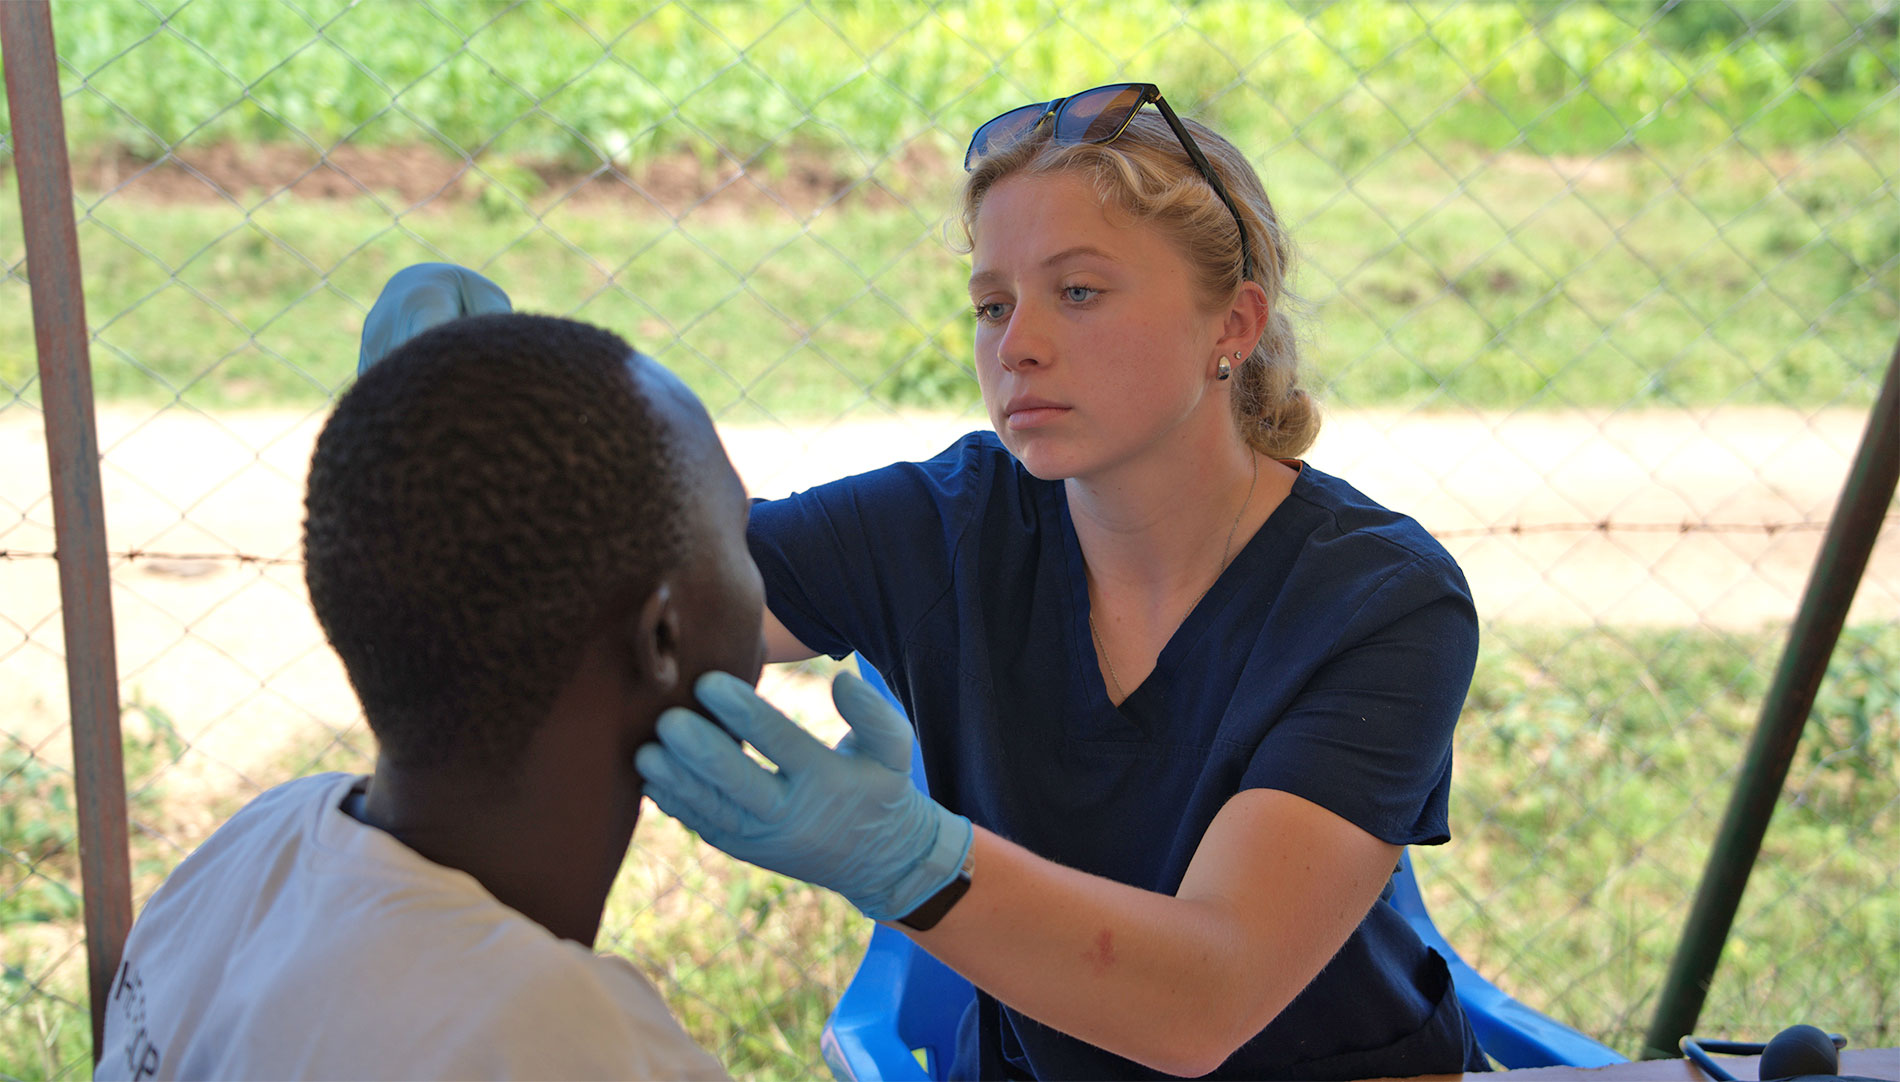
(925, 917)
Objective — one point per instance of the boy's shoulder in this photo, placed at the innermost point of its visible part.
(276, 825)
(297, 935)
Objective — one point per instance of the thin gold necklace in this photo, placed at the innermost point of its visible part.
(1226, 551)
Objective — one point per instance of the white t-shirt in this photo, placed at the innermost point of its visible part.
(300, 943)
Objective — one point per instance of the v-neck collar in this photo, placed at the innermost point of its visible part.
(1153, 689)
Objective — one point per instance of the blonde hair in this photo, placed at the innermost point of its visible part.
(1147, 175)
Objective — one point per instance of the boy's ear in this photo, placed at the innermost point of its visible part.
(653, 637)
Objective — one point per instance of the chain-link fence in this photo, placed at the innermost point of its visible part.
(1601, 293)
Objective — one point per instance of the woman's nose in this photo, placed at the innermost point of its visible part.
(1022, 344)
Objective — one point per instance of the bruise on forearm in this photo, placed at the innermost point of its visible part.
(1100, 958)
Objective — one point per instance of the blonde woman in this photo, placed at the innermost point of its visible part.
(1181, 698)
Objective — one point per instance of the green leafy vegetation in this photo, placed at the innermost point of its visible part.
(629, 78)
(45, 1032)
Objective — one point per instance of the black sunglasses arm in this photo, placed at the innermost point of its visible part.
(1207, 170)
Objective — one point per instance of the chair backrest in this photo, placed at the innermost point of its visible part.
(898, 1017)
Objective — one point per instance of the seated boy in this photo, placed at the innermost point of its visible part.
(525, 541)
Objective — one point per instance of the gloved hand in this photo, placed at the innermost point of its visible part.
(847, 818)
(420, 297)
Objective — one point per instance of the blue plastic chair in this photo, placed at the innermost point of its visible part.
(898, 1017)
(1508, 1031)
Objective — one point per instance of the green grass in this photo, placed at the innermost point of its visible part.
(1446, 278)
(1592, 773)
(1592, 770)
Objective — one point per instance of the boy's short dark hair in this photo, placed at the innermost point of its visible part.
(476, 502)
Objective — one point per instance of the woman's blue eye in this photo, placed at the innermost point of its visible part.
(1080, 294)
(989, 313)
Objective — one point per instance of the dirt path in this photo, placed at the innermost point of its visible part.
(229, 651)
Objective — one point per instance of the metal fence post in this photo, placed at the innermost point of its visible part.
(72, 446)
(1817, 627)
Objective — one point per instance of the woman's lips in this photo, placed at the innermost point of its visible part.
(1034, 415)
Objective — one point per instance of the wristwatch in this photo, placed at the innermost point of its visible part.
(925, 917)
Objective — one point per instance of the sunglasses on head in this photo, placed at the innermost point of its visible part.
(1100, 115)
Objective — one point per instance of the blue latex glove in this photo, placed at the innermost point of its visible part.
(420, 297)
(847, 818)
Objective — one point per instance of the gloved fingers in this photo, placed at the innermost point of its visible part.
(690, 814)
(696, 748)
(422, 296)
(758, 723)
(683, 795)
(879, 731)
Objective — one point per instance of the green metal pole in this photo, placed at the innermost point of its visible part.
(1817, 627)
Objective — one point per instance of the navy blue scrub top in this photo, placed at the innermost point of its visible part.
(1330, 660)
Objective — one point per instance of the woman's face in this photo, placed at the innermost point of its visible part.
(1090, 347)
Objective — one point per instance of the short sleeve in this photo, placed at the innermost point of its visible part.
(849, 566)
(1369, 736)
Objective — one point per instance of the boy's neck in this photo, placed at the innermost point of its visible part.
(558, 878)
(547, 840)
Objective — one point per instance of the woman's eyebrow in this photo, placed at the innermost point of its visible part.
(986, 278)
(1079, 250)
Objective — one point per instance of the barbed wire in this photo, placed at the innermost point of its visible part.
(1496, 529)
(1612, 526)
(130, 555)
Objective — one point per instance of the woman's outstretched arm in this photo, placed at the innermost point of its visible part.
(1179, 982)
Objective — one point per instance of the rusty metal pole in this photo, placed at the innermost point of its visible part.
(1838, 567)
(72, 449)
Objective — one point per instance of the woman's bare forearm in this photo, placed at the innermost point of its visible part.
(1174, 982)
